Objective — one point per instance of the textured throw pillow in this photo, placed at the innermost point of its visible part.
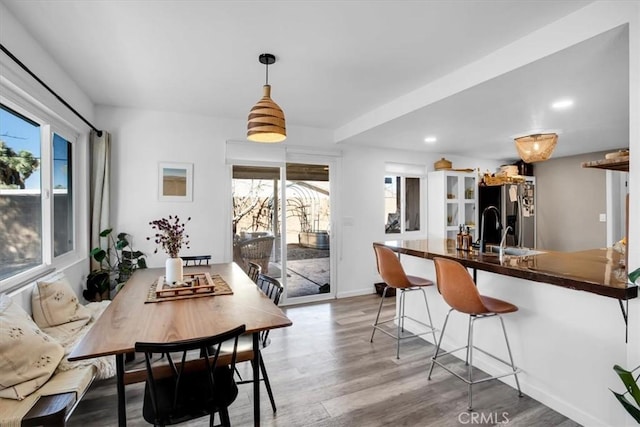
(54, 303)
(28, 356)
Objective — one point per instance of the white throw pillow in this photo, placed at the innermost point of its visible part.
(28, 356)
(54, 303)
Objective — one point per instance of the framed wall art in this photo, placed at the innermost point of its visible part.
(175, 182)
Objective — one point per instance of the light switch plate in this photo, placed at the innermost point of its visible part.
(603, 217)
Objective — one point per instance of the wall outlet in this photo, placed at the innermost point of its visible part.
(603, 217)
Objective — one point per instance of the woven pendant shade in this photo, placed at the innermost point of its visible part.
(266, 120)
(536, 148)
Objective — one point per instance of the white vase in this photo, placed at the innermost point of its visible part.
(173, 271)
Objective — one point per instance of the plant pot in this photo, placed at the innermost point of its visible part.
(314, 239)
(391, 292)
(173, 271)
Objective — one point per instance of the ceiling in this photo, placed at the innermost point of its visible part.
(339, 60)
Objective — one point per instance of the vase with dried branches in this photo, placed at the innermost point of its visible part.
(171, 237)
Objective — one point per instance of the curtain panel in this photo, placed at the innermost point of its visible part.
(100, 187)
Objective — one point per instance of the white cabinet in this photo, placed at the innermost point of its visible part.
(452, 200)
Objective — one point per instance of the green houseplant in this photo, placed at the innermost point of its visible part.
(631, 385)
(117, 262)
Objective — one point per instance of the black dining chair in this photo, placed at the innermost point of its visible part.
(273, 289)
(254, 271)
(195, 384)
(195, 260)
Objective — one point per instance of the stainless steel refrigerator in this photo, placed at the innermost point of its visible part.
(516, 204)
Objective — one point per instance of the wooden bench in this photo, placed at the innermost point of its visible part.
(51, 410)
(52, 404)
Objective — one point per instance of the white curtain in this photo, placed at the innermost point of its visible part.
(100, 186)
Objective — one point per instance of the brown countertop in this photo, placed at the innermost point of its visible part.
(595, 270)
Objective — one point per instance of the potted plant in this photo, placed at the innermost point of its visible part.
(631, 386)
(630, 383)
(117, 262)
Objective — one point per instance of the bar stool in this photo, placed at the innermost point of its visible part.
(459, 291)
(393, 275)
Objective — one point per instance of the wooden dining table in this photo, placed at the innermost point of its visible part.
(130, 318)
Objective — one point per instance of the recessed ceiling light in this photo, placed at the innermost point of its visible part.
(562, 104)
(430, 139)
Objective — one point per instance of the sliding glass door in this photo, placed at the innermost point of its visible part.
(308, 237)
(294, 247)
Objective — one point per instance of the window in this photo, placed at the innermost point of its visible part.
(36, 193)
(403, 197)
(62, 196)
(401, 204)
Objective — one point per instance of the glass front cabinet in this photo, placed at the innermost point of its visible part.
(452, 202)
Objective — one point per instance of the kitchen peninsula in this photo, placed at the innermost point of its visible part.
(567, 334)
(597, 270)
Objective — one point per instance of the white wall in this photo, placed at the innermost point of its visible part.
(569, 200)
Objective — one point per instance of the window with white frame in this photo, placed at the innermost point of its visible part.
(36, 193)
(402, 198)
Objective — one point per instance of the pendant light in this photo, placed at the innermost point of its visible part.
(536, 148)
(266, 119)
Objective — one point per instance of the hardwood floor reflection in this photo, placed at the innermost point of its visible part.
(325, 372)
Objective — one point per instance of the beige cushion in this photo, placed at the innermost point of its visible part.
(28, 356)
(54, 303)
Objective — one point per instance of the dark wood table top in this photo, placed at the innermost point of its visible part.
(129, 319)
(597, 270)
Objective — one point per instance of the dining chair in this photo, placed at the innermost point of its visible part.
(193, 385)
(459, 291)
(394, 277)
(254, 271)
(273, 289)
(195, 260)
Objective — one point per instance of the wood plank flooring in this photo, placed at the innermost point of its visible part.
(325, 373)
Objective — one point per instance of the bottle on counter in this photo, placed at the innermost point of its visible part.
(459, 239)
(464, 239)
(467, 240)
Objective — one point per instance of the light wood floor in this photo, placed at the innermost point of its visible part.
(325, 372)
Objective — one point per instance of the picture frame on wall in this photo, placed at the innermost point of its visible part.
(175, 182)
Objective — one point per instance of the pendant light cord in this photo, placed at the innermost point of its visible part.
(267, 73)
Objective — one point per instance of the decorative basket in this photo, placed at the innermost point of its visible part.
(442, 164)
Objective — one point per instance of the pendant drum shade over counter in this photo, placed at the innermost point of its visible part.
(266, 119)
(536, 148)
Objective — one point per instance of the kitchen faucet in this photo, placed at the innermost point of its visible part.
(483, 246)
(503, 241)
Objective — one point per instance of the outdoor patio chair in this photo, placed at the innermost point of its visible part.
(256, 250)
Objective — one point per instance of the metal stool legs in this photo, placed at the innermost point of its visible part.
(469, 358)
(402, 316)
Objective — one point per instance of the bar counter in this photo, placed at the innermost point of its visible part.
(596, 270)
